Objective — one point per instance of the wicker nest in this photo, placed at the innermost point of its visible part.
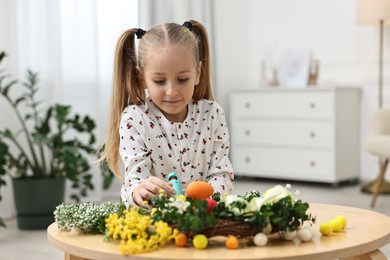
(225, 227)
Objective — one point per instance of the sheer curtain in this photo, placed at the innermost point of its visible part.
(70, 43)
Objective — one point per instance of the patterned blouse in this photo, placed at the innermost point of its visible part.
(196, 149)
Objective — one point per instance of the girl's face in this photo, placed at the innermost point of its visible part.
(170, 75)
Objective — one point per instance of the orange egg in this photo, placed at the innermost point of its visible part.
(199, 190)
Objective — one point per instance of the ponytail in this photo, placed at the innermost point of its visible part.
(126, 90)
(204, 89)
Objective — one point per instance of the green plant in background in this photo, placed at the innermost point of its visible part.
(51, 142)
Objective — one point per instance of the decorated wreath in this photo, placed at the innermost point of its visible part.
(195, 217)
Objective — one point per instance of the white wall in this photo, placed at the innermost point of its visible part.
(266, 29)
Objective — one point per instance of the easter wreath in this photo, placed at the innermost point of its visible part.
(142, 230)
(237, 215)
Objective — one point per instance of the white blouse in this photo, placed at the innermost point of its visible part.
(196, 149)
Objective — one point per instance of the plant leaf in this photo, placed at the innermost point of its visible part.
(7, 87)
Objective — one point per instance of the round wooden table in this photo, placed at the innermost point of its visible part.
(365, 233)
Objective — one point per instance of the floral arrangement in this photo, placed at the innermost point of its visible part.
(252, 217)
(233, 214)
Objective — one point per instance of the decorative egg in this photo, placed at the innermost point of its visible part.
(260, 239)
(199, 190)
(304, 234)
(210, 204)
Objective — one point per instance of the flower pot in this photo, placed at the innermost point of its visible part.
(36, 200)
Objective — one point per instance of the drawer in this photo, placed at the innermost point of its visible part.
(282, 104)
(304, 133)
(283, 163)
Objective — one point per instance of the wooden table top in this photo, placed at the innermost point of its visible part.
(366, 231)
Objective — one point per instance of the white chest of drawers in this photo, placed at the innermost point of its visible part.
(296, 134)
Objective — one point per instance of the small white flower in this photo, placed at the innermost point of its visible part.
(233, 198)
(180, 205)
(252, 206)
(186, 205)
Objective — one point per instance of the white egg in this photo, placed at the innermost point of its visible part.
(260, 239)
(289, 235)
(305, 234)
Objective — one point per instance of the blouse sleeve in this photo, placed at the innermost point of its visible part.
(134, 154)
(220, 174)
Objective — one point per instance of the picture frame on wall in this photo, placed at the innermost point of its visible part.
(295, 68)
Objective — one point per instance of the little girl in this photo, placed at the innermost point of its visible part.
(163, 118)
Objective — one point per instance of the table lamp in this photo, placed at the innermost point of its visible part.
(376, 13)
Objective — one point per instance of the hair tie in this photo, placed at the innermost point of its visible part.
(188, 25)
(140, 33)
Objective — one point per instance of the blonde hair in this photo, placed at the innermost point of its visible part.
(127, 88)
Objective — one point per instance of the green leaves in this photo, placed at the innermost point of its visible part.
(287, 215)
(51, 141)
(5, 89)
(3, 161)
(195, 219)
(283, 215)
(61, 113)
(2, 56)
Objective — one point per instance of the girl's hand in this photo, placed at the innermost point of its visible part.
(147, 189)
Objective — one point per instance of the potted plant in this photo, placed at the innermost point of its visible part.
(51, 146)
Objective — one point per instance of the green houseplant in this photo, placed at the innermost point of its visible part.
(52, 145)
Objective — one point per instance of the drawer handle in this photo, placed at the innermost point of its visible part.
(312, 163)
(247, 132)
(247, 105)
(247, 159)
(312, 134)
(312, 105)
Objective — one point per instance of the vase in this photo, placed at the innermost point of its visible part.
(36, 200)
